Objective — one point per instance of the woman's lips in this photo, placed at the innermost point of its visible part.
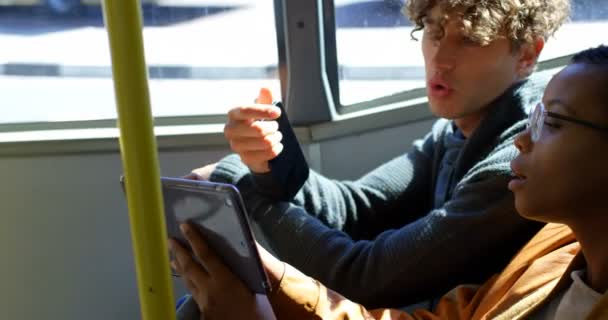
(519, 179)
(517, 183)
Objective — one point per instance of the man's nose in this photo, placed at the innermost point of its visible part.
(445, 55)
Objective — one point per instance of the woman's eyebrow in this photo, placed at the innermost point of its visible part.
(558, 103)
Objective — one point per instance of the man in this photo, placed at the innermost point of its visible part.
(410, 229)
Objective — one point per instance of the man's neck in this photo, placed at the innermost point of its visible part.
(468, 124)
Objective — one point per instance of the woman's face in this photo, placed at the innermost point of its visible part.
(564, 175)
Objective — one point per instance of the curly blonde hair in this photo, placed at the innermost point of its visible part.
(520, 21)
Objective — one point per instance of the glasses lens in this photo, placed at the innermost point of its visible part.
(538, 121)
(533, 121)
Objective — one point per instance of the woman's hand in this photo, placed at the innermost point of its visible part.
(218, 292)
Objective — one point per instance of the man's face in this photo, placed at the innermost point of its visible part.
(462, 76)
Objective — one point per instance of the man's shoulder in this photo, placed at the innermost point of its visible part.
(506, 138)
(497, 162)
(428, 143)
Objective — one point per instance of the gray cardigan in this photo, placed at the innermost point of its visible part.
(384, 239)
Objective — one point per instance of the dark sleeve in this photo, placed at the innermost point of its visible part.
(473, 235)
(361, 208)
(230, 169)
(369, 205)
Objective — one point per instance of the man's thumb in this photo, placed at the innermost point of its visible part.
(264, 97)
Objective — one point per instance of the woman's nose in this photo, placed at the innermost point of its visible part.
(523, 141)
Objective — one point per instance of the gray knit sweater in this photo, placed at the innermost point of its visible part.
(386, 239)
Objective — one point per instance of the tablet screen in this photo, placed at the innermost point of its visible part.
(217, 210)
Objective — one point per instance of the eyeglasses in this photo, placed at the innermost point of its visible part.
(536, 120)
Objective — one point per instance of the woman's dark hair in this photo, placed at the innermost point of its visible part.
(597, 56)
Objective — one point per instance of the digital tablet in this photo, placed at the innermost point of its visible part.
(218, 211)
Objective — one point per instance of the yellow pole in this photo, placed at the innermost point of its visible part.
(140, 160)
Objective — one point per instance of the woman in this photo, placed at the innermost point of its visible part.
(562, 273)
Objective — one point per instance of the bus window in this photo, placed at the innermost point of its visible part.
(203, 57)
(377, 57)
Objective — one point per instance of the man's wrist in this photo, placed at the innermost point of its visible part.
(260, 168)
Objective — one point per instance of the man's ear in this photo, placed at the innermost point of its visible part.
(528, 55)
